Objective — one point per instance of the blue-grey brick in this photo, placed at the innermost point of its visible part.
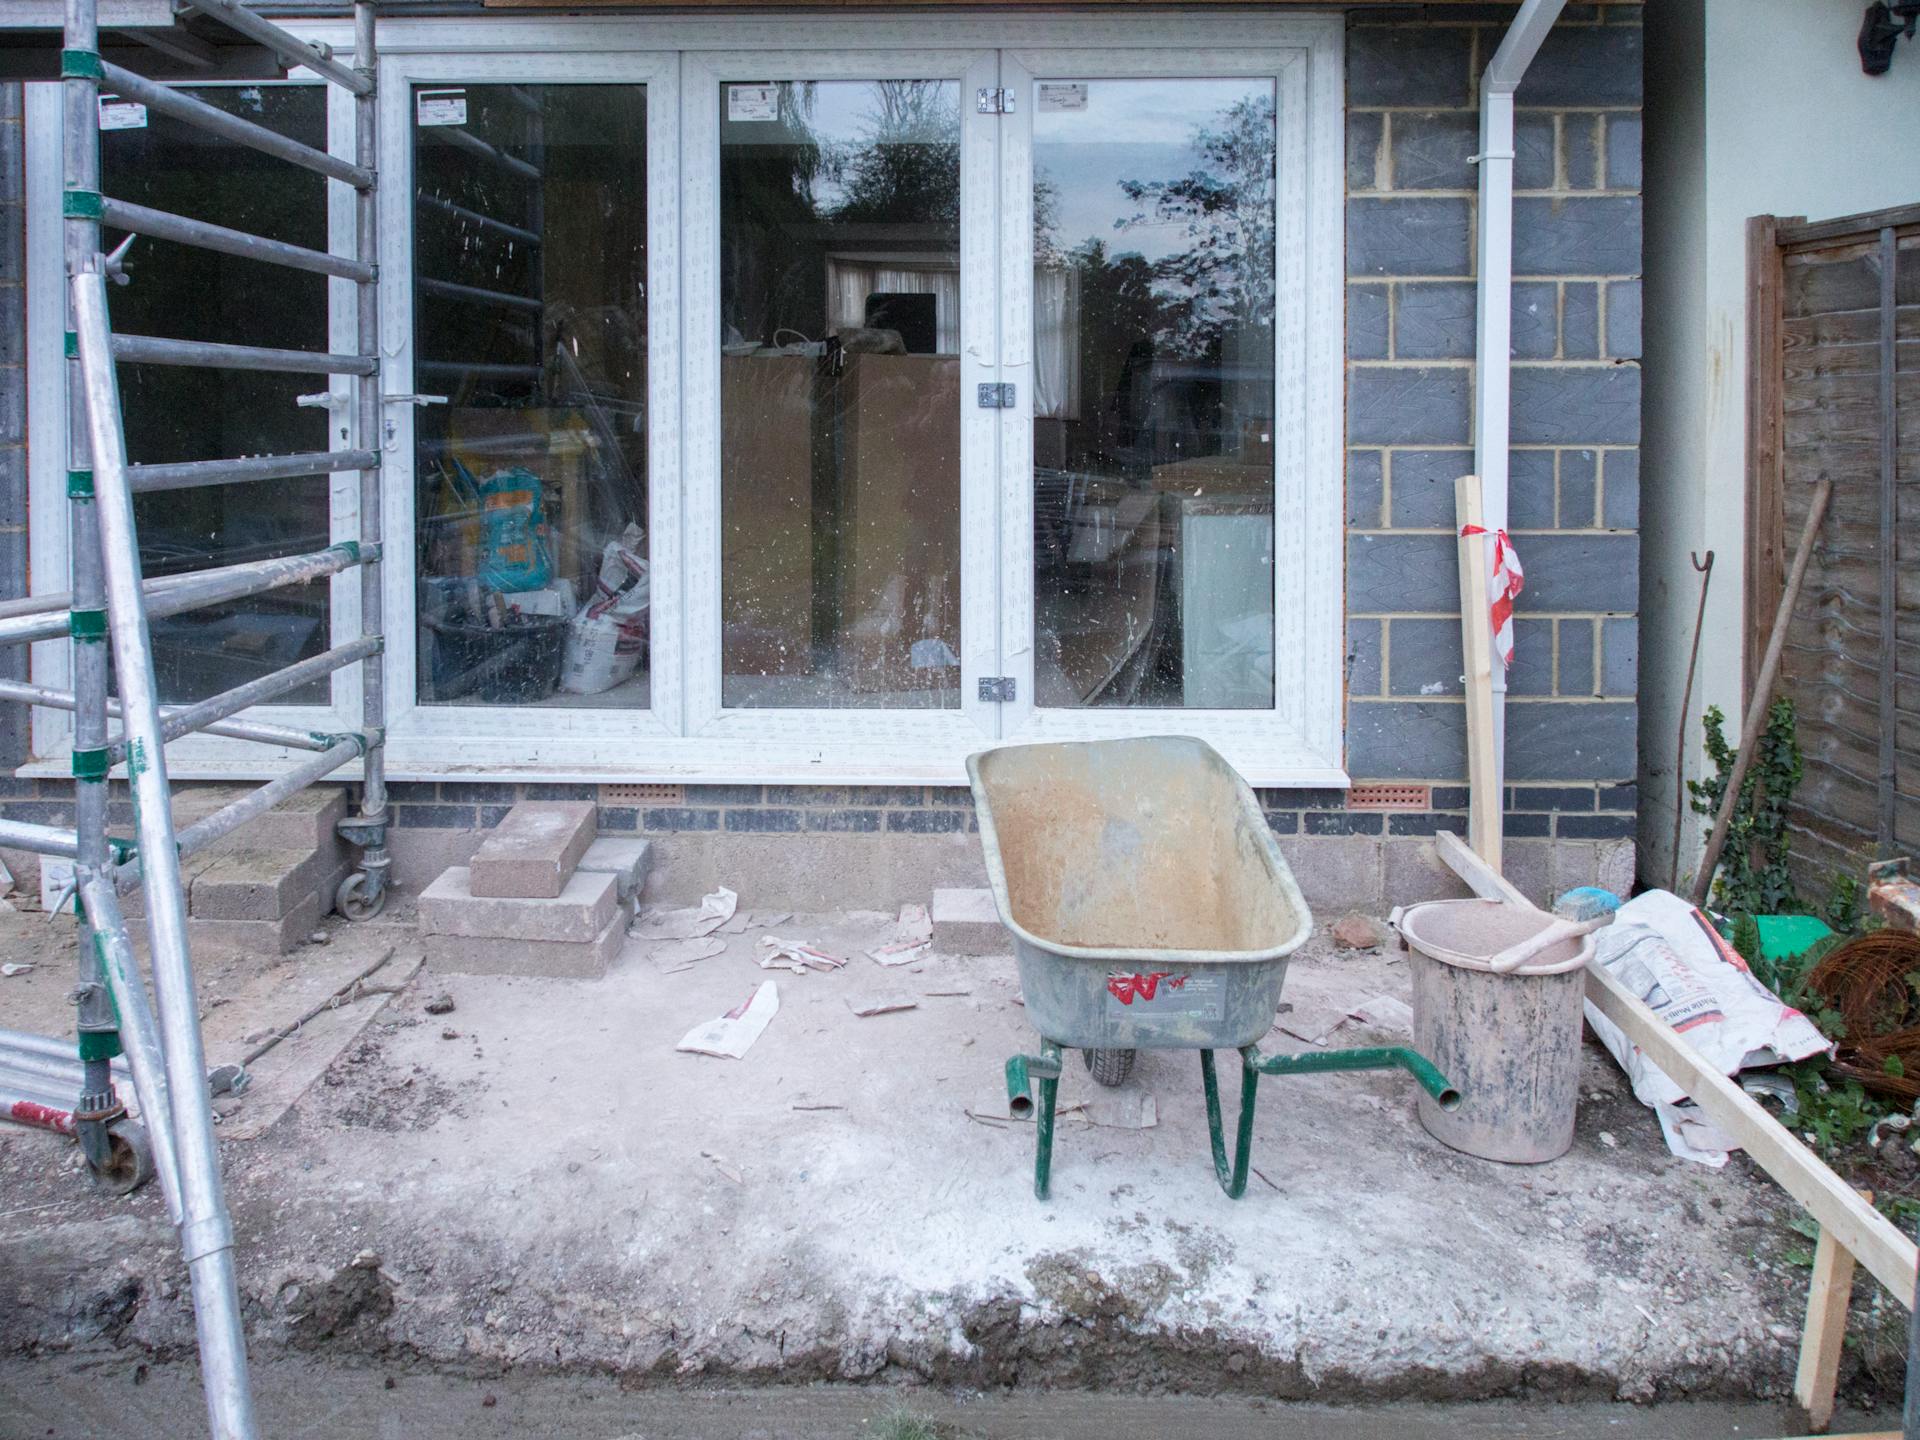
(1586, 65)
(1528, 827)
(468, 792)
(1530, 504)
(926, 822)
(888, 795)
(1579, 488)
(1364, 132)
(1577, 235)
(1623, 152)
(1423, 487)
(1283, 822)
(1621, 491)
(1426, 824)
(1413, 236)
(722, 794)
(1550, 797)
(1434, 320)
(1366, 488)
(1434, 151)
(1424, 658)
(807, 794)
(1344, 822)
(1407, 740)
(1536, 320)
(1363, 657)
(1571, 740)
(1395, 573)
(756, 820)
(844, 822)
(492, 815)
(1576, 658)
(1597, 827)
(435, 817)
(1410, 405)
(1533, 152)
(1367, 322)
(681, 817)
(1409, 65)
(1301, 798)
(1580, 321)
(1532, 670)
(1623, 320)
(1449, 797)
(1576, 405)
(1619, 797)
(620, 818)
(1620, 652)
(1580, 138)
(1580, 572)
(957, 795)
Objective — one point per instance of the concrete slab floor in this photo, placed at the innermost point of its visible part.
(537, 1181)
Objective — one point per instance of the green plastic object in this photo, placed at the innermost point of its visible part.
(1784, 936)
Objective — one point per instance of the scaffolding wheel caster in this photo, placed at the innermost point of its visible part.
(1108, 1067)
(353, 901)
(129, 1159)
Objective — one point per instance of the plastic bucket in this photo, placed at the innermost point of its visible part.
(1509, 1043)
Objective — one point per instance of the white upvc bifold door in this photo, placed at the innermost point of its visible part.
(841, 244)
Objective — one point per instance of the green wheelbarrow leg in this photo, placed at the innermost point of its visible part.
(1232, 1178)
(1022, 1072)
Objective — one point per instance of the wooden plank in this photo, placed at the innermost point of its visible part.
(1818, 1375)
(1766, 524)
(1476, 642)
(1847, 227)
(1481, 878)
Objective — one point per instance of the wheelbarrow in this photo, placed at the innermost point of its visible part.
(1150, 909)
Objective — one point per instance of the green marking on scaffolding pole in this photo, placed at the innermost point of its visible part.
(89, 627)
(80, 484)
(80, 65)
(82, 205)
(73, 345)
(91, 766)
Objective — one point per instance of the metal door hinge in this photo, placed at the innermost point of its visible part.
(996, 395)
(993, 102)
(997, 689)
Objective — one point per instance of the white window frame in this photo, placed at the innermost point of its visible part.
(686, 735)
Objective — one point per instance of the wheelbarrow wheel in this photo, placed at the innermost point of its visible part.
(1109, 1067)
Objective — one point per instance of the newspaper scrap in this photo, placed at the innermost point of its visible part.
(1665, 951)
(692, 923)
(795, 955)
(733, 1034)
(1385, 1012)
(913, 935)
(12, 969)
(673, 956)
(882, 1005)
(1123, 1110)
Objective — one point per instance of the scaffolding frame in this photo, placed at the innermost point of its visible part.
(105, 617)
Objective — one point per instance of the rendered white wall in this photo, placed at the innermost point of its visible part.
(1753, 107)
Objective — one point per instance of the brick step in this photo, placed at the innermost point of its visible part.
(577, 915)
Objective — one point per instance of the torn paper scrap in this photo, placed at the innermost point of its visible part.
(1312, 1026)
(12, 969)
(912, 937)
(692, 923)
(673, 956)
(1123, 1110)
(733, 1034)
(1385, 1012)
(795, 955)
(882, 1005)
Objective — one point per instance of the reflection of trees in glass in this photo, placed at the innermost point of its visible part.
(905, 166)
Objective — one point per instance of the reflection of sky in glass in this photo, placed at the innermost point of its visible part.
(841, 116)
(1131, 130)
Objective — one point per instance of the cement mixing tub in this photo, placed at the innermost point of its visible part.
(1150, 908)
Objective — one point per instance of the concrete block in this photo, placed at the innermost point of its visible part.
(1409, 65)
(1580, 321)
(1363, 657)
(1586, 65)
(1580, 141)
(1624, 138)
(1364, 133)
(532, 852)
(1434, 150)
(1620, 657)
(1586, 235)
(1576, 405)
(1412, 236)
(1615, 865)
(1623, 320)
(1579, 488)
(1536, 315)
(1397, 573)
(257, 884)
(1425, 658)
(1408, 740)
(577, 914)
(1415, 873)
(1534, 165)
(1571, 740)
(1435, 321)
(1580, 573)
(1366, 487)
(1334, 874)
(1532, 671)
(1409, 405)
(1423, 487)
(1620, 494)
(966, 922)
(1367, 323)
(269, 937)
(1530, 491)
(300, 822)
(1576, 659)
(549, 959)
(625, 858)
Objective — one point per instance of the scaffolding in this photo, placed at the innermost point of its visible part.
(77, 1090)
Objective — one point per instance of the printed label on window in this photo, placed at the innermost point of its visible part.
(753, 102)
(441, 107)
(1061, 95)
(118, 114)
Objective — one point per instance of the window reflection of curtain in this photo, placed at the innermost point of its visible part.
(1056, 304)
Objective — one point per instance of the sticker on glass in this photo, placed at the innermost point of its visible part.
(1061, 95)
(753, 102)
(118, 114)
(441, 107)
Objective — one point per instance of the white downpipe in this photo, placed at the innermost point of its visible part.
(1493, 347)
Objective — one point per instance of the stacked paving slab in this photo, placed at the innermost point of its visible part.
(264, 887)
(544, 894)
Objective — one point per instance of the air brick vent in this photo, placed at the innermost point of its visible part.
(1390, 797)
(643, 794)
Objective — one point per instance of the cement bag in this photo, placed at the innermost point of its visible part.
(608, 635)
(1666, 952)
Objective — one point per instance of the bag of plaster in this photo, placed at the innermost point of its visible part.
(608, 635)
(1668, 954)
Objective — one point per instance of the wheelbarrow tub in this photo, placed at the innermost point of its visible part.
(1148, 901)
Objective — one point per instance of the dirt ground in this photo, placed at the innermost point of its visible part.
(537, 1181)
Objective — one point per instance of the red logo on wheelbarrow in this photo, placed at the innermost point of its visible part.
(1128, 988)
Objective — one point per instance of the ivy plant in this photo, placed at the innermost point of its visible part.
(1753, 874)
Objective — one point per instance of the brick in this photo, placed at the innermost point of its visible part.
(1597, 827)
(1623, 145)
(1283, 822)
(1392, 573)
(1435, 321)
(1426, 824)
(757, 821)
(621, 818)
(1367, 322)
(434, 817)
(1366, 488)
(1413, 236)
(926, 822)
(806, 795)
(1576, 405)
(675, 818)
(1620, 493)
(1410, 405)
(1532, 669)
(1302, 799)
(887, 795)
(1407, 740)
(548, 959)
(627, 859)
(1423, 487)
(1534, 144)
(1424, 658)
(957, 795)
(1581, 572)
(1531, 490)
(1363, 657)
(722, 794)
(1550, 797)
(1580, 145)
(1532, 827)
(1623, 320)
(1409, 65)
(844, 822)
(1434, 151)
(1557, 739)
(578, 913)
(258, 884)
(1536, 320)
(1586, 65)
(490, 816)
(1579, 488)
(1338, 822)
(1364, 135)
(531, 854)
(1449, 797)
(966, 922)
(1576, 659)
(1580, 321)
(1619, 797)
(1620, 657)
(1582, 235)
(480, 792)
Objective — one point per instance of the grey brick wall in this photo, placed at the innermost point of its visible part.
(1412, 129)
